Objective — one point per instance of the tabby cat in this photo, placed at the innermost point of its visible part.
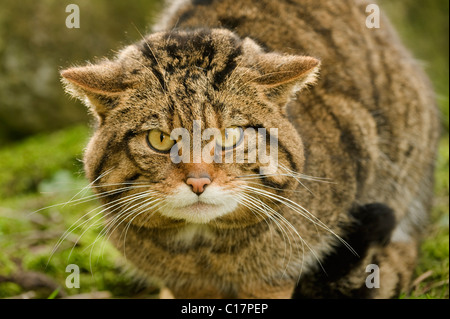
(356, 132)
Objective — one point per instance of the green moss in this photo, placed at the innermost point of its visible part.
(8, 289)
(38, 158)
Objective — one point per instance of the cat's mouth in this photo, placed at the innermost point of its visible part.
(212, 203)
(199, 206)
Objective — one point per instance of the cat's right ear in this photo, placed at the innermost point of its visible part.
(99, 86)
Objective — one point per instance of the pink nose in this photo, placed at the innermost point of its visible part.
(198, 184)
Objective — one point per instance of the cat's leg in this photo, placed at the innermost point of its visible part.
(382, 269)
(268, 292)
(165, 293)
(252, 291)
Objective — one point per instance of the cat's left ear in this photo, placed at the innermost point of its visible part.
(281, 76)
(99, 86)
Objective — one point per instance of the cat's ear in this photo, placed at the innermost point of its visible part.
(278, 70)
(281, 75)
(99, 86)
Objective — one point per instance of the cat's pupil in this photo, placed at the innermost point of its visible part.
(161, 137)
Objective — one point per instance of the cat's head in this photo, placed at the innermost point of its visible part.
(193, 81)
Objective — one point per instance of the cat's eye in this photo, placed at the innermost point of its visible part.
(231, 137)
(159, 141)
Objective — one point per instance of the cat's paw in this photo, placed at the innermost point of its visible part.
(165, 293)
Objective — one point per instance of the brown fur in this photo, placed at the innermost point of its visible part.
(368, 125)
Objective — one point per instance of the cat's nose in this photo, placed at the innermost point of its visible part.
(198, 184)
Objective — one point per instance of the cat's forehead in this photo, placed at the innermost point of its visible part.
(198, 48)
(177, 55)
(206, 115)
(189, 70)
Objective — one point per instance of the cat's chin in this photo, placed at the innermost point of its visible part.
(214, 202)
(197, 213)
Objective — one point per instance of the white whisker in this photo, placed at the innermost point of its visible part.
(300, 210)
(115, 203)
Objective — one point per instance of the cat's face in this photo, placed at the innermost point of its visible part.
(191, 81)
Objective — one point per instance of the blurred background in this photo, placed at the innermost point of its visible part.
(43, 133)
(35, 44)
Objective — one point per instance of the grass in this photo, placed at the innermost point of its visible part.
(45, 171)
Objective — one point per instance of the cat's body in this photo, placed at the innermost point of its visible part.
(368, 126)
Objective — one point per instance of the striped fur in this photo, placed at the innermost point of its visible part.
(368, 125)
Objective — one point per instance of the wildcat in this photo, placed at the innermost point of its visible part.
(357, 132)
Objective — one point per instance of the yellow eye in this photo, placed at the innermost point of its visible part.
(159, 141)
(231, 137)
